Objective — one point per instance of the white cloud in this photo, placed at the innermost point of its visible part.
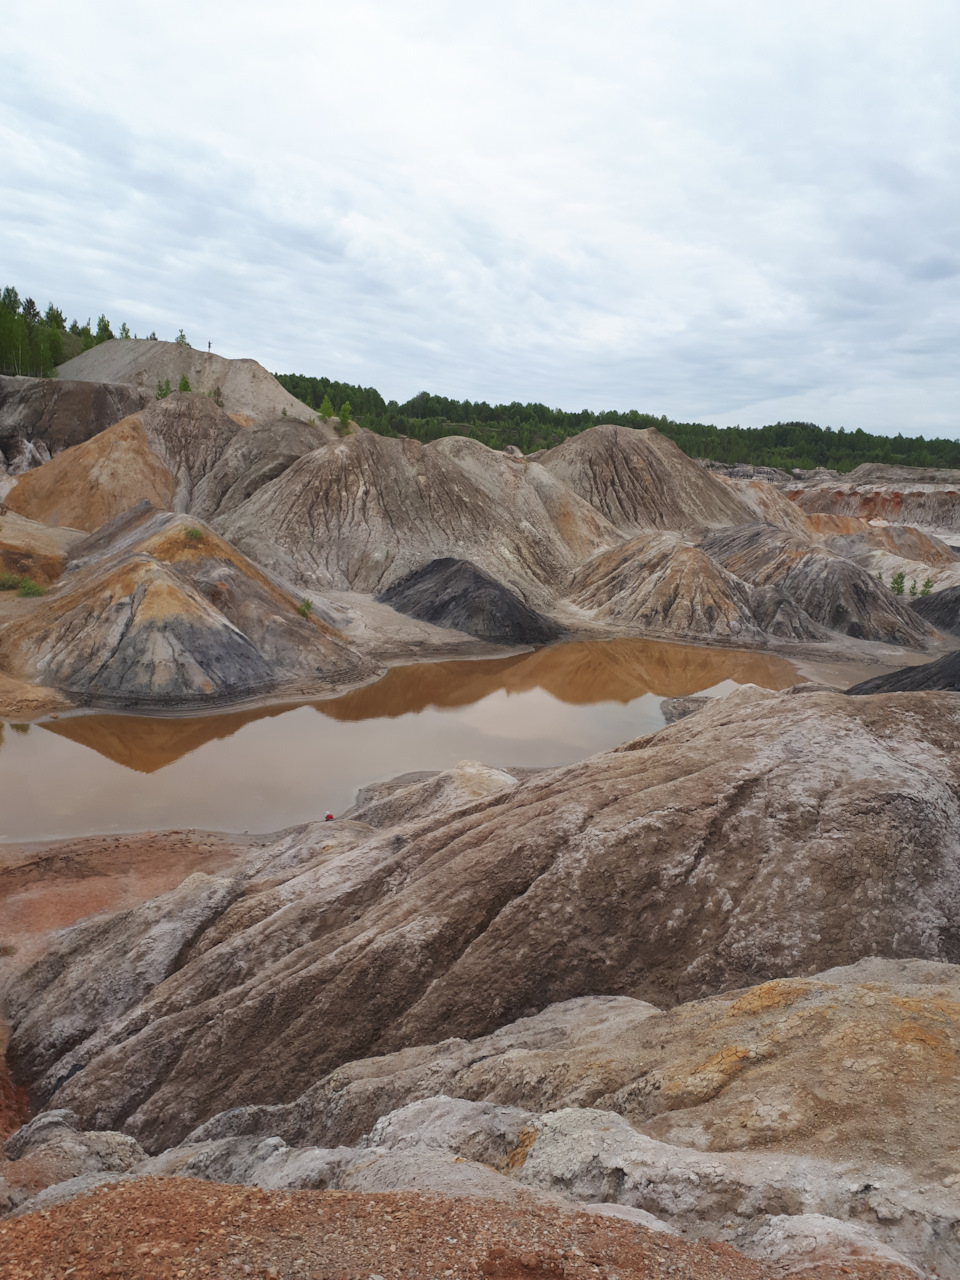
(725, 210)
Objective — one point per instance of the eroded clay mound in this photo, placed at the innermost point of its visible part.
(832, 590)
(770, 504)
(157, 455)
(189, 433)
(855, 538)
(40, 417)
(456, 594)
(252, 459)
(30, 549)
(364, 512)
(136, 635)
(641, 480)
(667, 587)
(245, 387)
(701, 859)
(928, 505)
(94, 482)
(156, 611)
(887, 473)
(941, 609)
(942, 674)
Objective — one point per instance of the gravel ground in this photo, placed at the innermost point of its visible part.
(181, 1228)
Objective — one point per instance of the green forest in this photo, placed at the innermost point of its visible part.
(534, 426)
(33, 343)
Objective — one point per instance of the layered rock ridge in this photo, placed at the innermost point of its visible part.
(767, 836)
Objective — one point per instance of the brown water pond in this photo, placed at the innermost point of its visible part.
(264, 768)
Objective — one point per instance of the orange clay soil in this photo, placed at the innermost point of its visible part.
(182, 1228)
(51, 885)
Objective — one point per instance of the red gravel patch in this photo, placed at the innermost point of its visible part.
(181, 1228)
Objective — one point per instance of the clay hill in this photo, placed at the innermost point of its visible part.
(40, 417)
(641, 480)
(245, 387)
(364, 512)
(707, 979)
(926, 499)
(616, 533)
(155, 611)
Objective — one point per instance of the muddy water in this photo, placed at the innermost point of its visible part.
(265, 768)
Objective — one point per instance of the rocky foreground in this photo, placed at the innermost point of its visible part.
(689, 1007)
(710, 976)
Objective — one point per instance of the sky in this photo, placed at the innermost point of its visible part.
(717, 210)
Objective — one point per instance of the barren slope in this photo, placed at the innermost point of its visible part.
(32, 549)
(40, 417)
(250, 460)
(718, 836)
(834, 591)
(669, 588)
(765, 1069)
(928, 506)
(364, 512)
(246, 387)
(944, 674)
(92, 483)
(160, 612)
(456, 594)
(641, 480)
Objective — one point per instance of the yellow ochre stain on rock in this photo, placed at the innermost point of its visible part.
(771, 995)
(516, 1158)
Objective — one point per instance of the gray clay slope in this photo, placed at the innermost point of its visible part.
(456, 594)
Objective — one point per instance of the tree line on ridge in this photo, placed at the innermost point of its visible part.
(34, 343)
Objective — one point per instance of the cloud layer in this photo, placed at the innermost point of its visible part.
(723, 210)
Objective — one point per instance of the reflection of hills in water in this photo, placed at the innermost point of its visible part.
(580, 673)
(149, 743)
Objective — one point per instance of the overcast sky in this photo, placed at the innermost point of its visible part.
(712, 209)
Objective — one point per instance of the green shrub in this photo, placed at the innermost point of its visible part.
(9, 581)
(305, 608)
(326, 408)
(181, 339)
(913, 587)
(897, 583)
(28, 587)
(193, 534)
(216, 395)
(927, 586)
(163, 389)
(184, 383)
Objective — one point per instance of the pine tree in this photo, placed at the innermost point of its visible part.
(326, 409)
